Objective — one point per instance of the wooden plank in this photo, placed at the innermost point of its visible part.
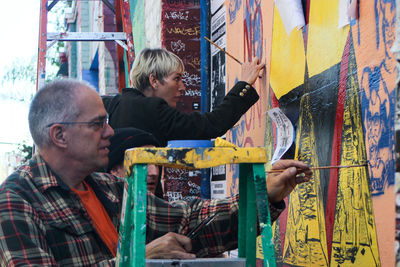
(86, 36)
(195, 158)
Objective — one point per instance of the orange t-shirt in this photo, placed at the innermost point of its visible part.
(100, 218)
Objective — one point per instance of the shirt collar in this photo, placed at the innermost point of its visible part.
(44, 177)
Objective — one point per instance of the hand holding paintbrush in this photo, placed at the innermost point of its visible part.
(200, 227)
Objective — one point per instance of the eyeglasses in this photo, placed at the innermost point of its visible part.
(97, 125)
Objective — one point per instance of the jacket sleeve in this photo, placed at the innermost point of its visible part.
(181, 217)
(179, 125)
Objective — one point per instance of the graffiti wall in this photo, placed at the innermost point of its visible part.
(180, 34)
(335, 80)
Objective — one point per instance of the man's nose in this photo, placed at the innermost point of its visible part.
(108, 132)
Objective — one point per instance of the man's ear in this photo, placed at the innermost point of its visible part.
(153, 81)
(58, 135)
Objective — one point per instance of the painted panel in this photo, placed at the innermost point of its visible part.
(235, 46)
(285, 76)
(305, 231)
(337, 86)
(354, 234)
(325, 39)
(374, 34)
(254, 19)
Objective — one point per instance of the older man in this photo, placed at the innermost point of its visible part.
(56, 210)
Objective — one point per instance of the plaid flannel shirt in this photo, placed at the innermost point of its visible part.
(44, 223)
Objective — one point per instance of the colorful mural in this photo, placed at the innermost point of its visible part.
(337, 86)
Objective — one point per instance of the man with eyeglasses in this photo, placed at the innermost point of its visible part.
(56, 210)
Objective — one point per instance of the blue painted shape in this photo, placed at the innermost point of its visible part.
(190, 143)
(234, 7)
(378, 109)
(95, 62)
(91, 77)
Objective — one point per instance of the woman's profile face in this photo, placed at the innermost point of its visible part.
(170, 88)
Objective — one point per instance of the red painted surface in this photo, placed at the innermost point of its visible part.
(120, 50)
(336, 148)
(127, 26)
(41, 65)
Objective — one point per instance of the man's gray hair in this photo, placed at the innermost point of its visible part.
(159, 62)
(54, 102)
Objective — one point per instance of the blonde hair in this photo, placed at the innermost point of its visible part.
(158, 62)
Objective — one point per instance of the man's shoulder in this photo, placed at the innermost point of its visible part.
(106, 178)
(103, 179)
(18, 187)
(106, 184)
(18, 178)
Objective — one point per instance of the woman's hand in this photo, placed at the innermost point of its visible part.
(251, 70)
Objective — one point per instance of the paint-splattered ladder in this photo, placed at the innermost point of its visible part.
(252, 190)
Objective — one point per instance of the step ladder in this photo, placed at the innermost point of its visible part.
(123, 37)
(252, 193)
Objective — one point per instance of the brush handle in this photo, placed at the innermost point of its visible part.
(322, 167)
(223, 50)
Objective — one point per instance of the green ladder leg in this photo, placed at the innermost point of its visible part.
(247, 215)
(264, 216)
(132, 239)
(253, 196)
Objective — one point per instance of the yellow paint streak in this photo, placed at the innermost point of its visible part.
(325, 40)
(287, 59)
(305, 238)
(259, 248)
(219, 142)
(194, 158)
(354, 235)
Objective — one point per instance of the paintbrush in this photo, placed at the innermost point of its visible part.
(322, 167)
(223, 50)
(200, 227)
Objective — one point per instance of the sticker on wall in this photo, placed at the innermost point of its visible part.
(292, 15)
(215, 5)
(218, 58)
(347, 12)
(284, 133)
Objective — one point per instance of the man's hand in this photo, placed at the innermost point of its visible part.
(251, 70)
(280, 184)
(170, 246)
